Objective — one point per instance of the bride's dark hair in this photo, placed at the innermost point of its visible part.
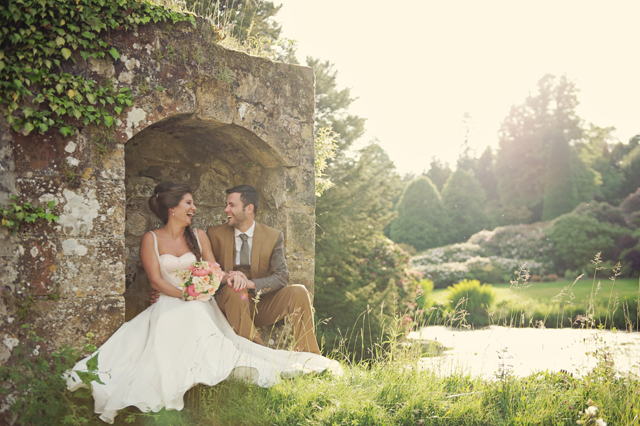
(166, 196)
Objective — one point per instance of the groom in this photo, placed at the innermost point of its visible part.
(258, 292)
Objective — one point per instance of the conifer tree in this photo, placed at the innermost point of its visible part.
(422, 220)
(463, 198)
(560, 194)
(438, 173)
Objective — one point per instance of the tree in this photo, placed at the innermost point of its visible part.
(357, 268)
(438, 173)
(485, 173)
(531, 137)
(422, 220)
(631, 171)
(241, 19)
(467, 159)
(560, 193)
(463, 198)
(332, 105)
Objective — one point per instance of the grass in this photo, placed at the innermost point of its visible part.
(393, 389)
(583, 303)
(397, 393)
(546, 292)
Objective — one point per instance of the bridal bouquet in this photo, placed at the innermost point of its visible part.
(200, 280)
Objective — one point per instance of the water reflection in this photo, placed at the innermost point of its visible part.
(527, 350)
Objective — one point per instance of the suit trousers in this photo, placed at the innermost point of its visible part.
(291, 303)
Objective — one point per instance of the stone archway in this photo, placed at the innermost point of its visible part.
(210, 157)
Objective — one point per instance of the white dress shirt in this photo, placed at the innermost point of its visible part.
(239, 241)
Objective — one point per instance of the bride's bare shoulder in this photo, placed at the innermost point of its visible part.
(147, 238)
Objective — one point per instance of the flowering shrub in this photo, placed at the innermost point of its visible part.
(518, 242)
(452, 253)
(451, 264)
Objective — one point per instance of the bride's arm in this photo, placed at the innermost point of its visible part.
(152, 268)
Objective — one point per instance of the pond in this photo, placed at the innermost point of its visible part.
(524, 351)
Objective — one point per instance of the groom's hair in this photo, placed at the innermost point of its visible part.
(248, 195)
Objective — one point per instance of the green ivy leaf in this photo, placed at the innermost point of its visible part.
(66, 131)
(28, 128)
(60, 41)
(114, 53)
(66, 53)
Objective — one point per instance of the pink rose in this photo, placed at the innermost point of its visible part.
(199, 272)
(191, 291)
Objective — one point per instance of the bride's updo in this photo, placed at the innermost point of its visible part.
(168, 195)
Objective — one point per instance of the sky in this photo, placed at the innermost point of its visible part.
(418, 66)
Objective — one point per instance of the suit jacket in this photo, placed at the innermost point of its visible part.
(268, 266)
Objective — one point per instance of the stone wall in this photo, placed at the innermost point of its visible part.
(203, 115)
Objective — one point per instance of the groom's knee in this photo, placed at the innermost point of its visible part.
(299, 294)
(229, 298)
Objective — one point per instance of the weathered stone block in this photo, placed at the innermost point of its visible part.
(91, 267)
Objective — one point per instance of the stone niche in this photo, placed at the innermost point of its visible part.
(201, 114)
(211, 156)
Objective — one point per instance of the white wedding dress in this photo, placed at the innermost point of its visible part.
(152, 360)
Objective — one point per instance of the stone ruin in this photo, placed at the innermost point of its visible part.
(203, 115)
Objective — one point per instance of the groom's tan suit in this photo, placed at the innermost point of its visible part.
(268, 270)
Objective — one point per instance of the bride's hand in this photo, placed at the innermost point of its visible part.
(244, 281)
(237, 280)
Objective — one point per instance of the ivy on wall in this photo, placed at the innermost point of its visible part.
(16, 214)
(36, 39)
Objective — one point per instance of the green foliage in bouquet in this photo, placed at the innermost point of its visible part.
(473, 298)
(38, 383)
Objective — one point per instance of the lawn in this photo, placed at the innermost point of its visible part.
(558, 304)
(628, 289)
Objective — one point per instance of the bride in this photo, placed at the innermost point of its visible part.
(151, 361)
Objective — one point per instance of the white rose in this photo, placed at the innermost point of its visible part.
(203, 298)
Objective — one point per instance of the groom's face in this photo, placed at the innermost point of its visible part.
(238, 216)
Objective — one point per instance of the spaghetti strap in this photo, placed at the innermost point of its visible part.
(155, 244)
